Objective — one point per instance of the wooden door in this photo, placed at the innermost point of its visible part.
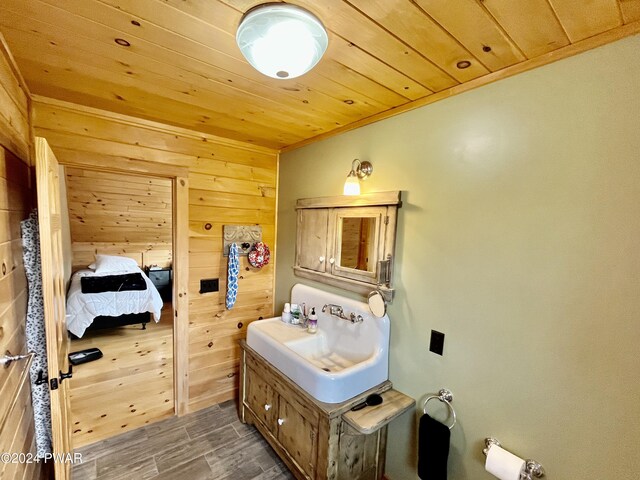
(261, 398)
(313, 224)
(53, 290)
(297, 433)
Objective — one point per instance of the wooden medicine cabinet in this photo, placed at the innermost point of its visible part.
(348, 241)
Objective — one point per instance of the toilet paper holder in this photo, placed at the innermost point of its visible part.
(531, 468)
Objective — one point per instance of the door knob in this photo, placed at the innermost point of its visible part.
(280, 421)
(321, 259)
(332, 261)
(267, 407)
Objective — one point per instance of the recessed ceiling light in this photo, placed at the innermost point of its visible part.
(463, 64)
(122, 42)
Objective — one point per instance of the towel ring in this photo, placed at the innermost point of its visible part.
(446, 397)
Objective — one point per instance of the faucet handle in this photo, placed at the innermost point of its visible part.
(333, 309)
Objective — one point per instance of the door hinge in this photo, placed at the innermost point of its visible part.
(54, 383)
(386, 220)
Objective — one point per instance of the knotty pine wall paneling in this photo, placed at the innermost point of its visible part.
(16, 413)
(229, 183)
(119, 214)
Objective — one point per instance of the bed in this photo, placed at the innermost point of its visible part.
(117, 293)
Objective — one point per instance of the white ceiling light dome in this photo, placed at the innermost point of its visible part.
(281, 40)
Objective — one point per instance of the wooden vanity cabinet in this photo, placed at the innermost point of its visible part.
(293, 425)
(311, 437)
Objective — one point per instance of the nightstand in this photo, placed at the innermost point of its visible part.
(162, 279)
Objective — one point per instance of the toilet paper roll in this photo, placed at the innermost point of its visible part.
(503, 465)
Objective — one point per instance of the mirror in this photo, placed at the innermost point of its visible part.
(357, 247)
(377, 304)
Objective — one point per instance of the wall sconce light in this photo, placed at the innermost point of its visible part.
(359, 171)
(281, 40)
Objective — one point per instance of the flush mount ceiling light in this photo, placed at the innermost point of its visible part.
(359, 171)
(281, 40)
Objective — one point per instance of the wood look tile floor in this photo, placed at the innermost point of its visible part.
(210, 444)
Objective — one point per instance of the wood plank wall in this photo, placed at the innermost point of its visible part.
(119, 214)
(230, 183)
(16, 417)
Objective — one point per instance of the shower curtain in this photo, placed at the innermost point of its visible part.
(36, 335)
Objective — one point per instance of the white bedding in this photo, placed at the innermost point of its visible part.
(82, 308)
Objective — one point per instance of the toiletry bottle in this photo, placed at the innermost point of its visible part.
(312, 324)
(295, 314)
(286, 313)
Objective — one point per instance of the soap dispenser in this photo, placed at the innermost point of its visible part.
(312, 323)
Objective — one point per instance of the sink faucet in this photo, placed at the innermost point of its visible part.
(338, 311)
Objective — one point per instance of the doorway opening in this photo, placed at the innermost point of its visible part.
(131, 385)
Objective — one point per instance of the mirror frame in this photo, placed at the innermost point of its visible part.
(378, 214)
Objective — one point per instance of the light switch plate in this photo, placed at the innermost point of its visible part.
(209, 285)
(437, 342)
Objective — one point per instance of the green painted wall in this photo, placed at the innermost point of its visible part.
(519, 238)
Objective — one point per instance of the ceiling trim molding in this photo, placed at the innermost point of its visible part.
(6, 52)
(158, 126)
(570, 50)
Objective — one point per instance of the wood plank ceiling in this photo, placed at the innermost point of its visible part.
(177, 61)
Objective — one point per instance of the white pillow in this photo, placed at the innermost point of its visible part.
(106, 264)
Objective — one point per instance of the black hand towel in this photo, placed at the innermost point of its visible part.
(433, 449)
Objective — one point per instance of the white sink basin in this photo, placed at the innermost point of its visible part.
(340, 361)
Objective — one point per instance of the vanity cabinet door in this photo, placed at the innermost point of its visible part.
(311, 248)
(261, 398)
(298, 433)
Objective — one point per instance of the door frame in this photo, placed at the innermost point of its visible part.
(179, 177)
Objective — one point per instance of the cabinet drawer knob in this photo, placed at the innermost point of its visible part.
(321, 259)
(332, 261)
(267, 406)
(280, 421)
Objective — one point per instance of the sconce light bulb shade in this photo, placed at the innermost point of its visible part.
(352, 184)
(281, 40)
